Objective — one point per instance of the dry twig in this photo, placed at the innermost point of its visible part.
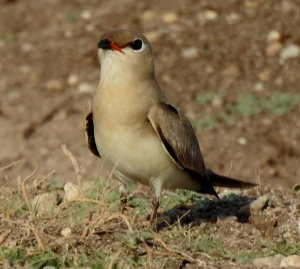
(9, 165)
(74, 163)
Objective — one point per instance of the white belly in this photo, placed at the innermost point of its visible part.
(135, 152)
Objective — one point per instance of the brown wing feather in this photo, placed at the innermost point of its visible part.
(178, 137)
(181, 144)
(89, 133)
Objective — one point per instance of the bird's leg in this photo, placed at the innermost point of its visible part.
(123, 197)
(155, 205)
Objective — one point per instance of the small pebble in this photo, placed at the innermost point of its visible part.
(66, 232)
(189, 53)
(242, 141)
(73, 79)
(85, 87)
(273, 262)
(86, 15)
(289, 52)
(72, 192)
(26, 47)
(290, 261)
(148, 15)
(258, 87)
(273, 37)
(54, 84)
(170, 17)
(210, 15)
(45, 203)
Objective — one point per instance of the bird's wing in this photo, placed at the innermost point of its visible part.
(177, 136)
(89, 134)
(180, 142)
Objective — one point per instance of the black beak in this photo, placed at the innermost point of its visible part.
(104, 44)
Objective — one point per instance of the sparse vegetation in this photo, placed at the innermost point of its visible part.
(246, 105)
(103, 237)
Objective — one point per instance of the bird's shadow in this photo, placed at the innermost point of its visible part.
(206, 211)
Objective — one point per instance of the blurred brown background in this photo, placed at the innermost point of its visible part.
(233, 66)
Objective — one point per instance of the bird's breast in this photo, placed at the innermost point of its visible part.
(134, 150)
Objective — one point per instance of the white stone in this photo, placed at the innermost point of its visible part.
(27, 47)
(289, 52)
(66, 232)
(54, 84)
(290, 261)
(273, 37)
(85, 87)
(72, 192)
(189, 53)
(170, 17)
(242, 141)
(148, 15)
(45, 203)
(259, 86)
(210, 15)
(86, 15)
(272, 262)
(73, 79)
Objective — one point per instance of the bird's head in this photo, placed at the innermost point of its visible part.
(125, 52)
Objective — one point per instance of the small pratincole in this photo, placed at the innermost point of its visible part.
(134, 128)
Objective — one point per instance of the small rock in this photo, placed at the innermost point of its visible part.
(72, 192)
(273, 37)
(254, 207)
(148, 15)
(45, 203)
(259, 204)
(242, 141)
(85, 88)
(272, 262)
(152, 35)
(73, 80)
(66, 232)
(170, 17)
(189, 53)
(86, 15)
(258, 86)
(26, 47)
(210, 15)
(290, 261)
(289, 52)
(54, 84)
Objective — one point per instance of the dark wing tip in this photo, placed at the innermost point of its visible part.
(228, 182)
(89, 132)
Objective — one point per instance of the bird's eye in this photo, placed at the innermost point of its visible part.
(137, 44)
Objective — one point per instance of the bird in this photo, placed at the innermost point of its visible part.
(141, 136)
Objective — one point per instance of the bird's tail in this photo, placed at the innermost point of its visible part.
(228, 182)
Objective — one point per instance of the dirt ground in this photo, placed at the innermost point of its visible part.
(222, 50)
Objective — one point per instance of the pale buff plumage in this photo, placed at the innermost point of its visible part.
(138, 133)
